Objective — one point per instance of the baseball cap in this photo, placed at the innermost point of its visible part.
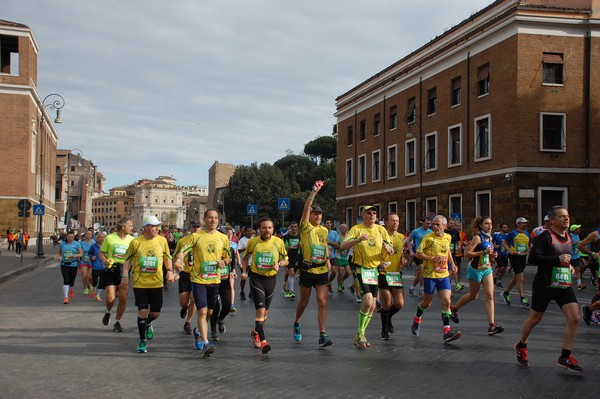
(151, 220)
(522, 220)
(195, 223)
(574, 227)
(316, 208)
(368, 207)
(546, 218)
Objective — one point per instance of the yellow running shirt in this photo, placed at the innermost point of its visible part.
(396, 258)
(187, 264)
(368, 253)
(207, 249)
(115, 248)
(434, 245)
(147, 257)
(314, 246)
(265, 254)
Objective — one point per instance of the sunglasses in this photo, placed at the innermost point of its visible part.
(371, 212)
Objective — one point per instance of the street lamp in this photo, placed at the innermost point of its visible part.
(55, 102)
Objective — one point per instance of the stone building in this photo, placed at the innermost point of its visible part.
(27, 133)
(496, 116)
(160, 197)
(218, 179)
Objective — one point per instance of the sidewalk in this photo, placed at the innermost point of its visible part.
(12, 266)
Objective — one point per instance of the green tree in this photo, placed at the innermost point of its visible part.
(321, 149)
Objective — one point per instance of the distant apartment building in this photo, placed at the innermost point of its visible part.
(496, 116)
(159, 197)
(195, 200)
(27, 134)
(108, 209)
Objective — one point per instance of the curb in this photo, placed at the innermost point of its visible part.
(24, 269)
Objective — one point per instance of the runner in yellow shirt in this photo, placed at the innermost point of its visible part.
(267, 254)
(145, 257)
(434, 250)
(368, 240)
(186, 299)
(210, 250)
(315, 265)
(391, 286)
(112, 254)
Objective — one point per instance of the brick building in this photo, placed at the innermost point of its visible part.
(108, 209)
(493, 117)
(27, 133)
(218, 179)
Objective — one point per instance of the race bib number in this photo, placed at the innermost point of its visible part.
(86, 258)
(209, 269)
(68, 256)
(148, 264)
(317, 254)
(561, 277)
(484, 262)
(441, 266)
(369, 276)
(294, 243)
(119, 251)
(521, 249)
(224, 272)
(264, 261)
(394, 279)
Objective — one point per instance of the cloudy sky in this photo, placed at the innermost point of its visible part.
(168, 87)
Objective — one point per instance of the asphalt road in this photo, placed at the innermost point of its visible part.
(51, 350)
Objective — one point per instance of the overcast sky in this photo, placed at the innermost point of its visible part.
(167, 87)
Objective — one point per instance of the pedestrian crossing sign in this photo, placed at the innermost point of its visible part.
(283, 204)
(39, 209)
(252, 209)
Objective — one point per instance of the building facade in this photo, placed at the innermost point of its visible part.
(108, 209)
(493, 117)
(218, 179)
(27, 134)
(161, 198)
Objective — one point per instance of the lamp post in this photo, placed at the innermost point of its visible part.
(222, 201)
(55, 102)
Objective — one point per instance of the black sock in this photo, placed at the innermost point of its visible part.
(142, 328)
(521, 345)
(565, 353)
(258, 326)
(395, 309)
(384, 319)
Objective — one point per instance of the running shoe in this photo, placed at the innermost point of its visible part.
(570, 363)
(197, 341)
(242, 296)
(586, 314)
(525, 303)
(66, 301)
(330, 288)
(385, 335)
(86, 291)
(255, 339)
(452, 336)
(459, 287)
(499, 284)
(593, 281)
(149, 331)
(581, 287)
(117, 327)
(340, 289)
(297, 333)
(390, 326)
(351, 288)
(207, 349)
(595, 318)
(142, 347)
(454, 314)
(265, 347)
(233, 308)
(187, 328)
(358, 300)
(92, 293)
(214, 336)
(411, 290)
(106, 318)
(505, 297)
(494, 329)
(522, 357)
(71, 293)
(98, 298)
(292, 295)
(324, 340)
(416, 326)
(183, 312)
(421, 293)
(286, 294)
(222, 327)
(360, 341)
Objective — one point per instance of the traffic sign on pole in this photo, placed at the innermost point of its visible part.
(252, 209)
(39, 210)
(283, 204)
(24, 205)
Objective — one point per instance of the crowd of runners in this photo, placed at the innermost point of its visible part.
(368, 259)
